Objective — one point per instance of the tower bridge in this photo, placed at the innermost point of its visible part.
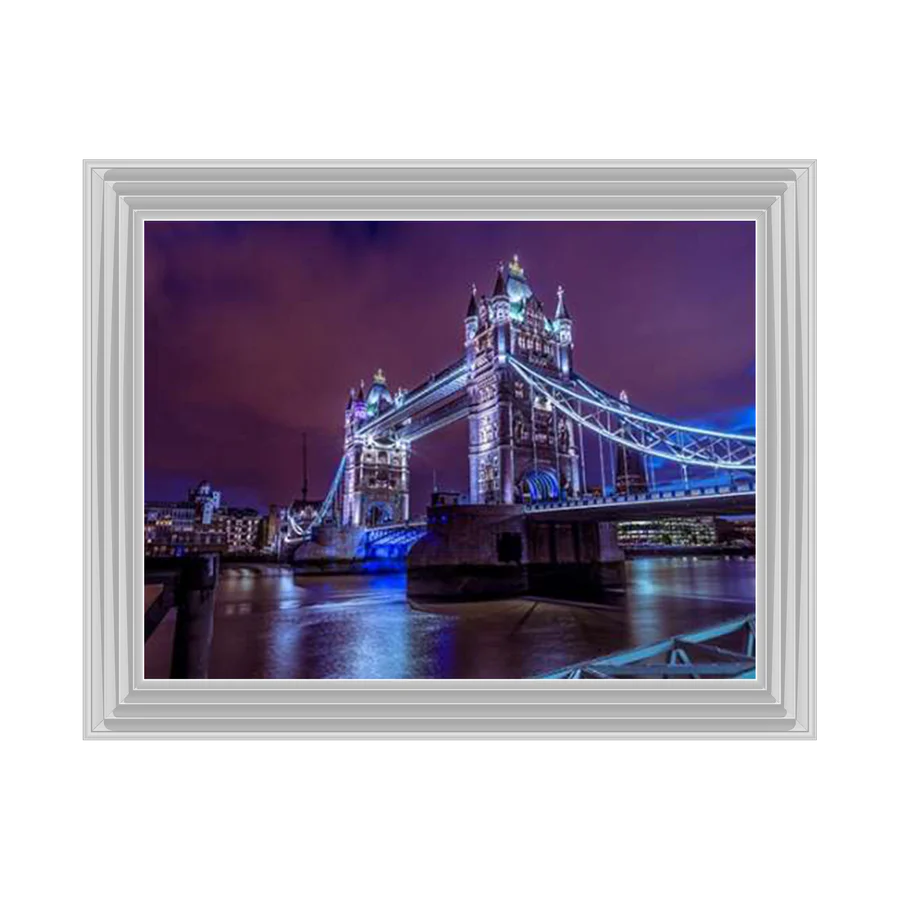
(532, 421)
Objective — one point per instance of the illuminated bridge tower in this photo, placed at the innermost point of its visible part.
(519, 448)
(375, 488)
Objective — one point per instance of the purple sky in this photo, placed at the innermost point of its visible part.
(255, 331)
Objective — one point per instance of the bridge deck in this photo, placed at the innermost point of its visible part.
(740, 500)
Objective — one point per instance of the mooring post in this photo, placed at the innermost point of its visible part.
(195, 602)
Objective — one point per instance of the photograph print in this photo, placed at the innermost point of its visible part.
(449, 449)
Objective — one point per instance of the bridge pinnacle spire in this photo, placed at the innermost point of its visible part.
(500, 283)
(561, 311)
(472, 312)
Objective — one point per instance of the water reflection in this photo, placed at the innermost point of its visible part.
(272, 624)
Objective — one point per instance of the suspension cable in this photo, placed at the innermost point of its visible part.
(693, 455)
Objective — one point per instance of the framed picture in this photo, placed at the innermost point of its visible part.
(467, 449)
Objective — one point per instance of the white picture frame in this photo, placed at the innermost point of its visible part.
(119, 196)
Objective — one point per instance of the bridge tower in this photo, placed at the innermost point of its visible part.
(519, 448)
(376, 467)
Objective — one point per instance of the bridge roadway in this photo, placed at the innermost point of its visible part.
(710, 501)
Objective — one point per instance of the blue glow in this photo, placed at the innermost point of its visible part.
(542, 484)
(382, 565)
(392, 542)
(741, 420)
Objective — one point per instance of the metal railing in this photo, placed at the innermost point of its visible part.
(721, 651)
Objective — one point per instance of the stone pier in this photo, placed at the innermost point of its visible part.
(333, 551)
(579, 559)
(481, 552)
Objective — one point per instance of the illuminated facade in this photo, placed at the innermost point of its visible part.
(169, 516)
(376, 467)
(520, 450)
(177, 528)
(206, 501)
(243, 529)
(201, 524)
(674, 532)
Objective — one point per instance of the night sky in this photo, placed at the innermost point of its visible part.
(255, 331)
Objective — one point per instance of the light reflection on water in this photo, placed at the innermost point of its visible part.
(272, 624)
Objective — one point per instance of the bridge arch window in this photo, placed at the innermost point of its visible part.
(379, 514)
(540, 485)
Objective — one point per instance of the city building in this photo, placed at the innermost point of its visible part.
(206, 501)
(674, 532)
(242, 529)
(201, 524)
(173, 529)
(704, 531)
(273, 528)
(739, 531)
(169, 516)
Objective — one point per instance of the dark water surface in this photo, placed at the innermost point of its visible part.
(272, 624)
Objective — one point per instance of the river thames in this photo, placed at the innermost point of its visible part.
(271, 623)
